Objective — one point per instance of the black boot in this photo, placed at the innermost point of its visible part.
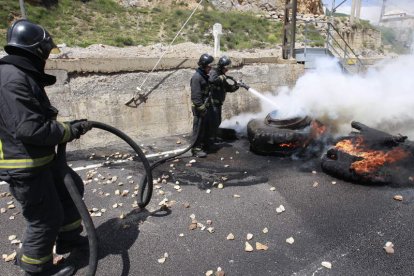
(63, 246)
(54, 271)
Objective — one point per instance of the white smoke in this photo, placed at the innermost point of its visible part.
(383, 98)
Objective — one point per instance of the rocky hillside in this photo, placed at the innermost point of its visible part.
(274, 8)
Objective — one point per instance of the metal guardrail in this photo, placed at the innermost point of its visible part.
(334, 44)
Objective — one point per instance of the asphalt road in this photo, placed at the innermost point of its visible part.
(330, 220)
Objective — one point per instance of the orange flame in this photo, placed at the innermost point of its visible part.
(372, 159)
(287, 145)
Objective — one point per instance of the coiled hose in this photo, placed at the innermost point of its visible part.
(70, 177)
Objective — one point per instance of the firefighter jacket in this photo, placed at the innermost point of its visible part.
(200, 90)
(220, 86)
(29, 131)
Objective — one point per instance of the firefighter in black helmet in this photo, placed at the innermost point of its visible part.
(29, 133)
(201, 105)
(219, 87)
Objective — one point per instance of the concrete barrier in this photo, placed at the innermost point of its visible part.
(98, 89)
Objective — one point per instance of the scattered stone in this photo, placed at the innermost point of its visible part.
(181, 235)
(220, 186)
(230, 236)
(260, 246)
(290, 240)
(178, 142)
(12, 237)
(236, 196)
(186, 205)
(192, 226)
(208, 191)
(226, 166)
(389, 247)
(249, 236)
(209, 273)
(210, 229)
(315, 184)
(273, 189)
(248, 247)
(209, 222)
(265, 230)
(333, 182)
(11, 206)
(314, 172)
(9, 258)
(177, 187)
(398, 197)
(192, 161)
(327, 265)
(2, 210)
(161, 192)
(58, 259)
(117, 192)
(280, 209)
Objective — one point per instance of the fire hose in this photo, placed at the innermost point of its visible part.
(71, 179)
(145, 188)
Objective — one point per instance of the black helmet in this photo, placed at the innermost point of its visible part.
(29, 37)
(205, 60)
(224, 61)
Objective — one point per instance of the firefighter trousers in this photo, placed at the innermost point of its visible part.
(49, 212)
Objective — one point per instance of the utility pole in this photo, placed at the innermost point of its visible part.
(384, 3)
(22, 9)
(355, 10)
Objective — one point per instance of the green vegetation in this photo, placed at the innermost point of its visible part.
(104, 21)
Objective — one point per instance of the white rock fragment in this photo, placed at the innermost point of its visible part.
(261, 246)
(226, 166)
(248, 247)
(333, 182)
(327, 265)
(210, 229)
(12, 237)
(315, 184)
(273, 188)
(236, 196)
(230, 236)
(209, 273)
(117, 192)
(314, 172)
(163, 202)
(192, 161)
(290, 240)
(265, 230)
(220, 186)
(280, 209)
(161, 260)
(192, 216)
(398, 197)
(389, 247)
(249, 236)
(208, 191)
(181, 235)
(177, 187)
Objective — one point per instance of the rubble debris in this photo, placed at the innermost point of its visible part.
(280, 209)
(398, 197)
(290, 240)
(9, 257)
(249, 236)
(327, 265)
(260, 246)
(265, 230)
(230, 237)
(389, 247)
(248, 247)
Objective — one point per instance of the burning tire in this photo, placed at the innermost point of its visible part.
(371, 157)
(274, 136)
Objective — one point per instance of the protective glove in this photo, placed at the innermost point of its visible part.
(242, 84)
(202, 110)
(78, 128)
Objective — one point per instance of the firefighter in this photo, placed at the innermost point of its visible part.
(201, 105)
(29, 133)
(219, 89)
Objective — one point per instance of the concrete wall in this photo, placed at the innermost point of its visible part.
(98, 91)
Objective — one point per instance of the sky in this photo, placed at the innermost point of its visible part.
(371, 9)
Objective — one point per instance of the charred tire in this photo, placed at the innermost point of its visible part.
(266, 139)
